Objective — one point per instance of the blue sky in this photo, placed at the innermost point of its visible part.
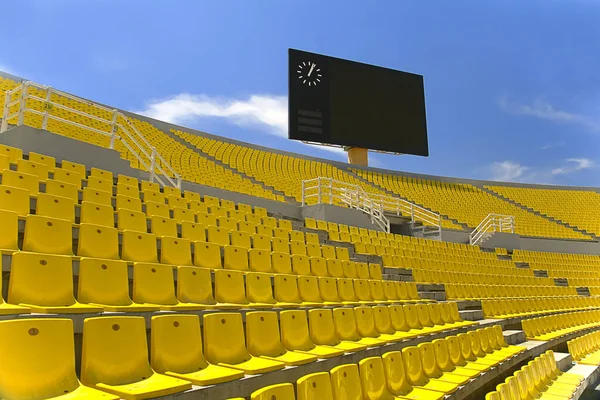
(512, 87)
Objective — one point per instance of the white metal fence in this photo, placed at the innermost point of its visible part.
(330, 191)
(490, 224)
(22, 102)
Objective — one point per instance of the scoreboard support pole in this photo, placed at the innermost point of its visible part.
(358, 156)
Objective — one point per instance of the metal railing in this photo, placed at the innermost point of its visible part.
(330, 191)
(492, 223)
(403, 207)
(19, 101)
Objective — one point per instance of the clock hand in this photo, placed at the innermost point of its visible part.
(311, 69)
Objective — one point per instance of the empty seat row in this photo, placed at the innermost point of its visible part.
(44, 283)
(429, 371)
(181, 356)
(539, 379)
(554, 326)
(585, 349)
(523, 307)
(498, 291)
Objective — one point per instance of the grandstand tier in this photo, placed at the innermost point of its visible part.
(204, 276)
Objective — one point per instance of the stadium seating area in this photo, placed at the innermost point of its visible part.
(557, 203)
(466, 203)
(538, 379)
(148, 291)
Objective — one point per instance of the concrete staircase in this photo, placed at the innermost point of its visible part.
(531, 210)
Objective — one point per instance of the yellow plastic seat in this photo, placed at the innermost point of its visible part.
(383, 323)
(195, 232)
(104, 174)
(310, 223)
(235, 258)
(361, 288)
(312, 249)
(482, 356)
(9, 231)
(261, 242)
(298, 248)
(97, 214)
(14, 199)
(62, 189)
(218, 235)
(139, 247)
(259, 291)
(33, 168)
(71, 166)
(311, 238)
(281, 263)
(365, 323)
(308, 287)
(114, 359)
(97, 196)
(493, 396)
(21, 180)
(259, 261)
(280, 245)
(176, 350)
(263, 340)
(240, 239)
(345, 289)
(328, 252)
(445, 364)
(14, 154)
(163, 226)
(224, 345)
(315, 386)
(152, 195)
(301, 264)
(329, 293)
(127, 190)
(98, 241)
(105, 283)
(44, 283)
(230, 289)
(346, 328)
(295, 335)
(397, 381)
(362, 270)
(68, 176)
(154, 284)
(131, 221)
(175, 251)
(194, 285)
(97, 183)
(372, 379)
(206, 219)
(281, 391)
(318, 266)
(416, 374)
(128, 203)
(322, 331)
(48, 235)
(183, 214)
(345, 382)
(349, 268)
(175, 200)
(456, 356)
(207, 255)
(39, 361)
(127, 180)
(286, 291)
(156, 209)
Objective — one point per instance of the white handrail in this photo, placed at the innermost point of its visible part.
(134, 141)
(492, 223)
(331, 191)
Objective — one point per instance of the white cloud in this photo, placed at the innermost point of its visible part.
(543, 110)
(552, 145)
(508, 171)
(574, 165)
(267, 113)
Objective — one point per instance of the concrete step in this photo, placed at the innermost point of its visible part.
(437, 296)
(397, 271)
(521, 264)
(514, 337)
(471, 315)
(564, 361)
(583, 291)
(368, 258)
(392, 277)
(468, 305)
(561, 281)
(429, 287)
(540, 273)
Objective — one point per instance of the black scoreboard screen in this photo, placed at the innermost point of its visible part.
(347, 103)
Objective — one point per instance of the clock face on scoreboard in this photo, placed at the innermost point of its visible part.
(309, 73)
